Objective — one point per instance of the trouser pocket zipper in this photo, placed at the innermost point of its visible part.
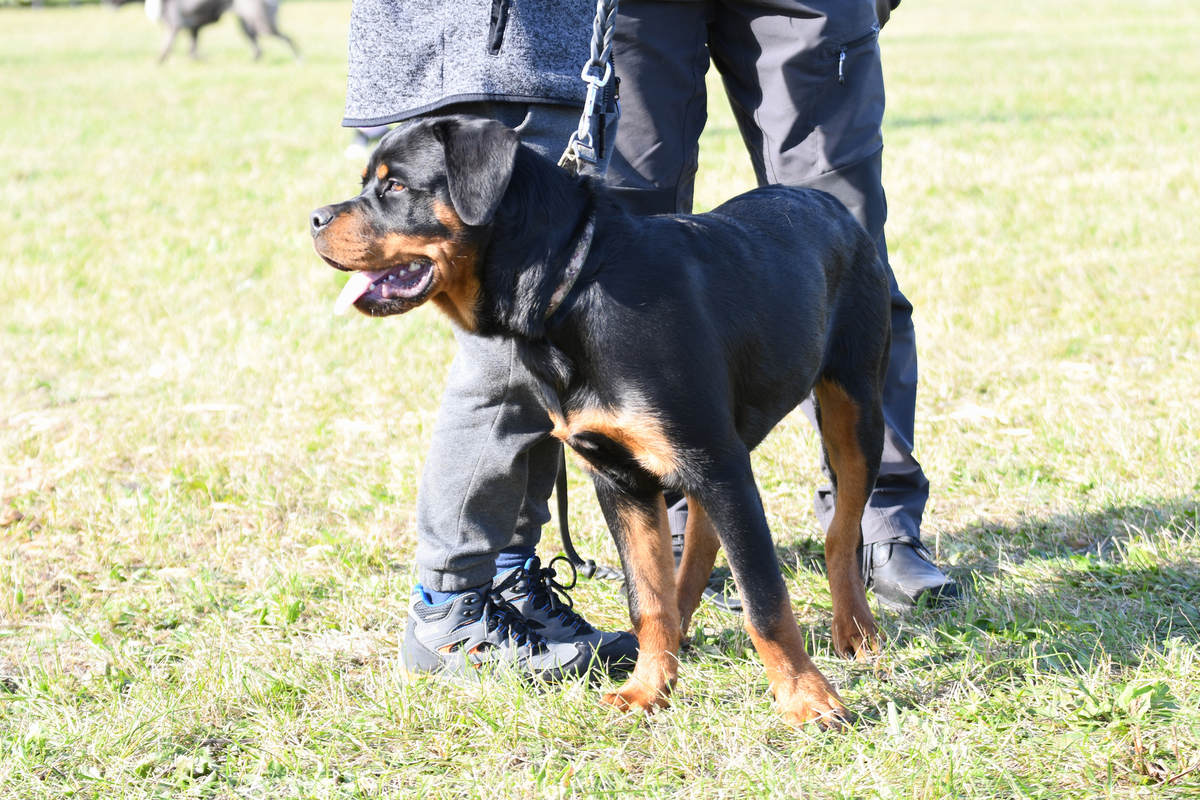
(874, 34)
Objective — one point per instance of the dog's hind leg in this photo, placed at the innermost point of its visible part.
(852, 437)
(273, 29)
(290, 43)
(733, 504)
(700, 546)
(166, 48)
(638, 522)
(252, 35)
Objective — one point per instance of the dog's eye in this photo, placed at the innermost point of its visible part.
(395, 186)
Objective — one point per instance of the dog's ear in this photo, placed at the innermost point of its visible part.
(480, 154)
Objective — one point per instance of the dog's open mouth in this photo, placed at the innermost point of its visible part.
(402, 282)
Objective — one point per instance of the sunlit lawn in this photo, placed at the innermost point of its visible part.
(207, 480)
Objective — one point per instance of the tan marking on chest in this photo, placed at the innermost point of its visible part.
(638, 432)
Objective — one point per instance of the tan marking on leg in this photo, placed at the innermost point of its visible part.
(381, 172)
(700, 546)
(638, 432)
(651, 572)
(854, 628)
(802, 692)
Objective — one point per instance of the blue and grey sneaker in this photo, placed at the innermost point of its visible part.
(473, 631)
(548, 610)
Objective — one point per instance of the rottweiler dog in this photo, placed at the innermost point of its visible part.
(668, 347)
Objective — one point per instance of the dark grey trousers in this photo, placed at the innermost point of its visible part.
(806, 86)
(491, 463)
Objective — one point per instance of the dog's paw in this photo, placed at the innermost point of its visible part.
(809, 698)
(637, 695)
(856, 636)
(827, 713)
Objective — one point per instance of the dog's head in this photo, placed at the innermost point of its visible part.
(418, 229)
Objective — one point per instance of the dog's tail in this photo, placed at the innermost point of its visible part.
(154, 10)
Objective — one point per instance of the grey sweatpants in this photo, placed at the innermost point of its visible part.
(492, 463)
(806, 86)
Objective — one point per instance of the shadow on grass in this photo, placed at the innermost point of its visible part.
(1056, 593)
(1016, 118)
(1120, 579)
(1101, 532)
(986, 548)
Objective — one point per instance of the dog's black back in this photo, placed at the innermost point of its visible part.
(739, 310)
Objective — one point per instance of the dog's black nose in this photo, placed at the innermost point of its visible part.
(319, 219)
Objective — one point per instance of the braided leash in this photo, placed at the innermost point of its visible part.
(587, 141)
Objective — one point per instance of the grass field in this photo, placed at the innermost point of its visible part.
(207, 480)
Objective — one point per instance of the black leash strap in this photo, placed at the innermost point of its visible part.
(588, 568)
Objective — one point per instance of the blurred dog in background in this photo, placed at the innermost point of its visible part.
(258, 17)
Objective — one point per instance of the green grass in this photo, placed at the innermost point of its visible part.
(207, 480)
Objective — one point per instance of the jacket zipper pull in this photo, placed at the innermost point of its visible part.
(841, 63)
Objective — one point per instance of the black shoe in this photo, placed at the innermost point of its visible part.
(903, 574)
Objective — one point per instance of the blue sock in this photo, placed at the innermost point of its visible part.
(512, 557)
(435, 598)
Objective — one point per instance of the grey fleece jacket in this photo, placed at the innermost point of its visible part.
(410, 57)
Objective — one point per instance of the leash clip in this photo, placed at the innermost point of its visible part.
(582, 145)
(570, 159)
(597, 72)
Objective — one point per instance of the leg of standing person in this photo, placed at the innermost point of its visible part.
(482, 500)
(807, 91)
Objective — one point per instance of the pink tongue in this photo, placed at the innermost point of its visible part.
(355, 288)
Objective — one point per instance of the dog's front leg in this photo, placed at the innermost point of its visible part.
(638, 521)
(802, 692)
